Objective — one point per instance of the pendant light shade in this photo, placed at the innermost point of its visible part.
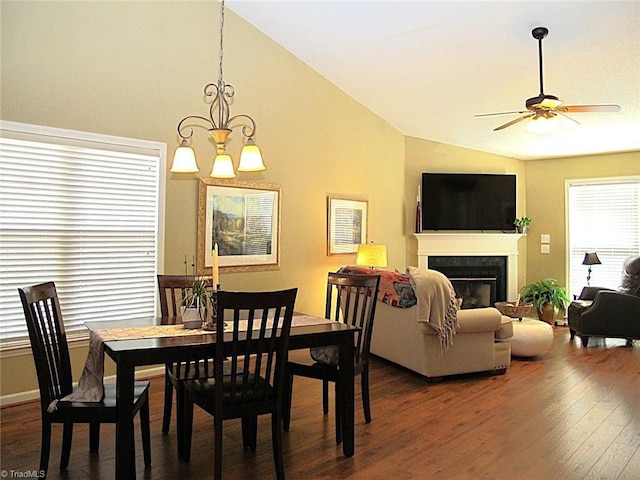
(251, 158)
(184, 160)
(222, 167)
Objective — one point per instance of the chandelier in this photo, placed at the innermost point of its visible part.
(219, 126)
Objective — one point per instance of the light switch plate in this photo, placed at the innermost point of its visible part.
(545, 248)
(545, 238)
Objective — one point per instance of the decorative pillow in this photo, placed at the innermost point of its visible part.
(328, 355)
(395, 287)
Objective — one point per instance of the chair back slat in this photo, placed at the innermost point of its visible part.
(48, 341)
(352, 299)
(252, 364)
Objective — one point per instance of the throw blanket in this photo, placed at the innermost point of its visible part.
(437, 303)
(90, 387)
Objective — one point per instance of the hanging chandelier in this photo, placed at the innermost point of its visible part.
(219, 126)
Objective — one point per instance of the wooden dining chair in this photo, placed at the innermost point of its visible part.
(172, 290)
(351, 299)
(250, 382)
(53, 367)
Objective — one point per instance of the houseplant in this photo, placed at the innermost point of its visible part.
(522, 223)
(195, 303)
(549, 298)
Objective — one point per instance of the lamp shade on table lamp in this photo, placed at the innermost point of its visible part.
(372, 255)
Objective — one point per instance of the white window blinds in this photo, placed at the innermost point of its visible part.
(603, 217)
(81, 210)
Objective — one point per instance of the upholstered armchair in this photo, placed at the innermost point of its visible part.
(600, 312)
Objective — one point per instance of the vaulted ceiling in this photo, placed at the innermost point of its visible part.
(427, 67)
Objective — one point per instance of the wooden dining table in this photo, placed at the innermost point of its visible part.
(131, 353)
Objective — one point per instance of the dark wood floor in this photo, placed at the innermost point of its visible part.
(573, 413)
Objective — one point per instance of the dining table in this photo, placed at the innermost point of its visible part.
(144, 341)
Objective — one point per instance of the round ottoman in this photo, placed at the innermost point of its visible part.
(531, 338)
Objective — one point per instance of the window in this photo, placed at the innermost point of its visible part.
(603, 217)
(82, 210)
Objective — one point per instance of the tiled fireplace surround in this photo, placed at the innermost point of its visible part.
(476, 259)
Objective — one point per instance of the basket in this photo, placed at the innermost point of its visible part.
(510, 310)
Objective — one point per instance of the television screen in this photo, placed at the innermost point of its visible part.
(462, 201)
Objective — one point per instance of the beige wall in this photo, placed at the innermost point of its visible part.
(545, 187)
(136, 68)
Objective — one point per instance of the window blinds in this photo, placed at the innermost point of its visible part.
(604, 217)
(81, 210)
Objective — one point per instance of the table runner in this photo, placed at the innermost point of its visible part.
(90, 386)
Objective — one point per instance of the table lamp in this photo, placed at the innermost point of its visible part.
(590, 259)
(372, 255)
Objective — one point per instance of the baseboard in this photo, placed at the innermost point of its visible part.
(33, 395)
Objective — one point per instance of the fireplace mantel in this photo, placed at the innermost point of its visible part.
(472, 244)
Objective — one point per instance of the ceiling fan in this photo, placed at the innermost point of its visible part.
(545, 106)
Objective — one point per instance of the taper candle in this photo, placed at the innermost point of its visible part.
(215, 266)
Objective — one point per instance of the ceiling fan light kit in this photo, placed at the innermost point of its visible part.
(543, 109)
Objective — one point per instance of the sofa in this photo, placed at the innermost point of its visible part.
(480, 344)
(602, 312)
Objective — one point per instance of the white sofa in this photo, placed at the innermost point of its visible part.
(481, 342)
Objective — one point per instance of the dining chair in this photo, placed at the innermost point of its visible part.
(250, 382)
(351, 299)
(53, 367)
(172, 290)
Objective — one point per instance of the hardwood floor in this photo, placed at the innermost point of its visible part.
(572, 413)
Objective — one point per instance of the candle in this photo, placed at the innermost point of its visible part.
(418, 199)
(214, 266)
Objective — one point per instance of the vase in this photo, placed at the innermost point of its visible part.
(190, 317)
(549, 313)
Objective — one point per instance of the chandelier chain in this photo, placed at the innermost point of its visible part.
(221, 39)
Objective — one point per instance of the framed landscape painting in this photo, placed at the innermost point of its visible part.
(346, 224)
(243, 219)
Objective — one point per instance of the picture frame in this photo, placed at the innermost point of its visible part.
(243, 218)
(347, 222)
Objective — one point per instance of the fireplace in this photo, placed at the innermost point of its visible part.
(480, 281)
(473, 246)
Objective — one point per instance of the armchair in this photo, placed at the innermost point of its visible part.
(601, 312)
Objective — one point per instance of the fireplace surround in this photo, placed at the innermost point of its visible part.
(434, 245)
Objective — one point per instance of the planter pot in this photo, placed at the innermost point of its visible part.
(520, 229)
(549, 313)
(190, 317)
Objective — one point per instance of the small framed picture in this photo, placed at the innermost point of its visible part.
(243, 219)
(346, 224)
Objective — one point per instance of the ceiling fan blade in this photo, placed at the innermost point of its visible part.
(513, 122)
(588, 108)
(568, 117)
(499, 113)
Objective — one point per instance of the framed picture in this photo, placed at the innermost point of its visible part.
(347, 224)
(243, 219)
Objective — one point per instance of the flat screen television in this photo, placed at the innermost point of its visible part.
(468, 201)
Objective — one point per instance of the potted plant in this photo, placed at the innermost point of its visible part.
(549, 298)
(522, 223)
(195, 303)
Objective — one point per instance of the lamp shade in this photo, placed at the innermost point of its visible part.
(251, 158)
(372, 255)
(222, 167)
(591, 259)
(184, 160)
